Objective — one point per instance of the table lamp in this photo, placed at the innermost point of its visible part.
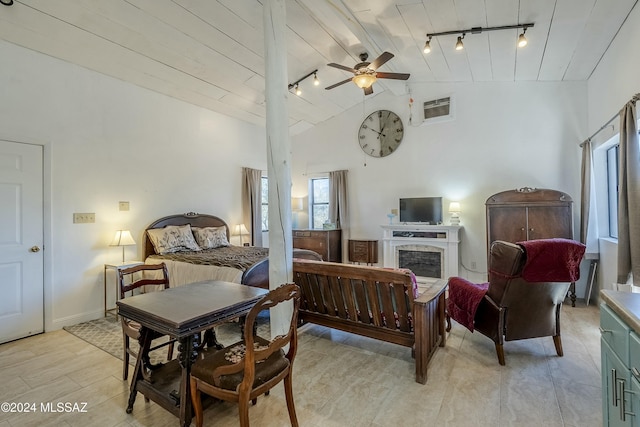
(454, 210)
(122, 238)
(240, 230)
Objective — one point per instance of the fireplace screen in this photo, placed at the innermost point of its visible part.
(422, 263)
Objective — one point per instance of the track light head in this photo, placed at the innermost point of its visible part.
(522, 40)
(316, 82)
(427, 46)
(6, 2)
(459, 44)
(298, 91)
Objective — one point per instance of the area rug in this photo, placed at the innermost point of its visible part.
(106, 334)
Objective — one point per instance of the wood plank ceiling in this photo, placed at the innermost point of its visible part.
(210, 53)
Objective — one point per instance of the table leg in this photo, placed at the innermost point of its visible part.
(138, 374)
(210, 340)
(187, 355)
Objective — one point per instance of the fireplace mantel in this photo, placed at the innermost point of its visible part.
(441, 239)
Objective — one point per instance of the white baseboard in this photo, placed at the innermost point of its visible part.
(73, 320)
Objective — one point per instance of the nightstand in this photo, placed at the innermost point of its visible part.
(116, 268)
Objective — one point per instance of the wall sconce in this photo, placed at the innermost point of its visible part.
(241, 230)
(522, 40)
(122, 238)
(454, 210)
(296, 84)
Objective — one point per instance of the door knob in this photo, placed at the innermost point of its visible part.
(35, 249)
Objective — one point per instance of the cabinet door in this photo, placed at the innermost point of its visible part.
(613, 371)
(545, 222)
(507, 223)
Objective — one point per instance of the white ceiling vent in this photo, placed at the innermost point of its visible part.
(438, 110)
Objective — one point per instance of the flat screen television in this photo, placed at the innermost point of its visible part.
(421, 209)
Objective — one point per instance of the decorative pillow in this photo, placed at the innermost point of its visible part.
(173, 238)
(211, 237)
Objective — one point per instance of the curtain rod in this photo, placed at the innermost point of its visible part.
(633, 99)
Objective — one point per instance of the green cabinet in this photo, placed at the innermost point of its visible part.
(620, 367)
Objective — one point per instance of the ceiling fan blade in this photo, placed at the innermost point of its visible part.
(380, 60)
(338, 84)
(342, 67)
(368, 90)
(397, 76)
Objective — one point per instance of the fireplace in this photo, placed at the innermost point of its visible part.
(423, 260)
(429, 251)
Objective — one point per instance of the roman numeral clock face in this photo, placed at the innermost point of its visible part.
(380, 133)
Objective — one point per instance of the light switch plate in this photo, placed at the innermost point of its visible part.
(84, 218)
(124, 206)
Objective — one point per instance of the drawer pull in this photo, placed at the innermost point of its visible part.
(635, 373)
(620, 393)
(614, 388)
(602, 331)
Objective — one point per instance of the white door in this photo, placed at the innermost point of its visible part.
(21, 238)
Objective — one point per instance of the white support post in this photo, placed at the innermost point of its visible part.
(278, 157)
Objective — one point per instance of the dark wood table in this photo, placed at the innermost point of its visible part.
(181, 313)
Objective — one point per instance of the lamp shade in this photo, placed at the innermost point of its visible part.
(297, 204)
(454, 207)
(240, 230)
(122, 238)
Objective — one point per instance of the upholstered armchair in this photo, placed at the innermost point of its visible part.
(527, 284)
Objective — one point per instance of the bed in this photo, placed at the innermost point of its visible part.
(228, 263)
(240, 264)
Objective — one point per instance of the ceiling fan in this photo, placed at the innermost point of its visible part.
(365, 73)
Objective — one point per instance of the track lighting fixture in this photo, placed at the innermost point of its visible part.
(522, 40)
(296, 85)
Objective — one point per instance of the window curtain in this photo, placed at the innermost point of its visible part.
(585, 184)
(338, 205)
(588, 208)
(252, 203)
(629, 196)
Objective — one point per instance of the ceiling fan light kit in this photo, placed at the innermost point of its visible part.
(522, 40)
(365, 80)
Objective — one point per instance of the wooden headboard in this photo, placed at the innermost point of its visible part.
(192, 218)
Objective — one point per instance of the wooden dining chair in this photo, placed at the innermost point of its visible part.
(127, 282)
(248, 368)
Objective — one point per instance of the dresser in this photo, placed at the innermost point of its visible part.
(620, 358)
(328, 243)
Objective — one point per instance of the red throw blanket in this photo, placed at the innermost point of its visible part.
(552, 260)
(464, 298)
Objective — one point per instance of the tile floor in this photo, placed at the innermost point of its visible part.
(339, 380)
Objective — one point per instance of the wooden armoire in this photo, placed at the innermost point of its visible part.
(530, 213)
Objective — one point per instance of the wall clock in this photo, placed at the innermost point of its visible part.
(380, 133)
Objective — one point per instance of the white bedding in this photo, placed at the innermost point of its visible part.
(182, 273)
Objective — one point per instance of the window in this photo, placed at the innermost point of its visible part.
(612, 189)
(319, 201)
(265, 203)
